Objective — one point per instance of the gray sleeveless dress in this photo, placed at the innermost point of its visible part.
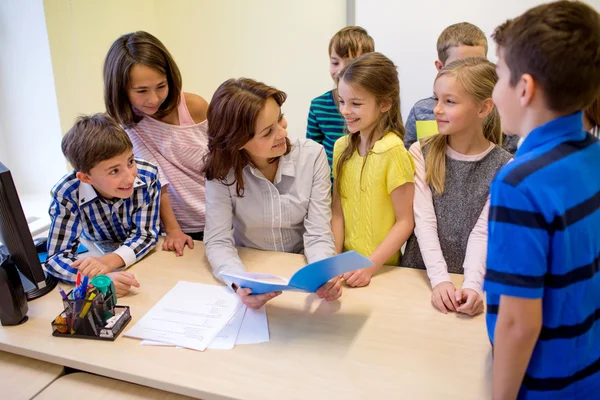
(466, 190)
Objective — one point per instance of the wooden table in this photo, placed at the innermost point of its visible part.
(23, 378)
(385, 340)
(93, 387)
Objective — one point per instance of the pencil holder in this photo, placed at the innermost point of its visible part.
(95, 317)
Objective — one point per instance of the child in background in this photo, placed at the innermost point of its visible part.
(325, 124)
(109, 196)
(542, 279)
(142, 91)
(454, 172)
(374, 174)
(456, 42)
(591, 118)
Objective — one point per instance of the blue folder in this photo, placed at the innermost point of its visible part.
(307, 279)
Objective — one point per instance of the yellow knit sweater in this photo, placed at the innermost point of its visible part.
(367, 203)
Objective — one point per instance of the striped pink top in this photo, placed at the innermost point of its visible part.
(178, 152)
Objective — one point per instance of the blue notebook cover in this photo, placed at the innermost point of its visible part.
(307, 279)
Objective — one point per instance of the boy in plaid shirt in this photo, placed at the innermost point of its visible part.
(110, 195)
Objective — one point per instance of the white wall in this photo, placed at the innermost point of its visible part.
(407, 32)
(283, 43)
(29, 126)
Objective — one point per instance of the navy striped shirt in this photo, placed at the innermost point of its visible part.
(544, 243)
(325, 123)
(77, 210)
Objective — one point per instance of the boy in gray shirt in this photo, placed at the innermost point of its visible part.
(456, 42)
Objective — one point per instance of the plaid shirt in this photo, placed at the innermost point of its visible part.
(78, 210)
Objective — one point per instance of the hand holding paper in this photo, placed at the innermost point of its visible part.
(255, 301)
(332, 290)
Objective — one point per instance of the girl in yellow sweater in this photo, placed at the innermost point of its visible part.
(373, 171)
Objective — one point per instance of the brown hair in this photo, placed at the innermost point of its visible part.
(376, 74)
(351, 42)
(461, 34)
(558, 44)
(592, 112)
(93, 139)
(231, 117)
(478, 77)
(128, 50)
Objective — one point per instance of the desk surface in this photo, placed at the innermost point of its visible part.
(23, 378)
(373, 342)
(93, 387)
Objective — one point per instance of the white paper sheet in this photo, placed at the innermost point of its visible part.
(255, 327)
(154, 343)
(190, 315)
(225, 340)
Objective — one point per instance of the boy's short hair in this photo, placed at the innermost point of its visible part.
(351, 42)
(558, 44)
(461, 34)
(592, 112)
(93, 139)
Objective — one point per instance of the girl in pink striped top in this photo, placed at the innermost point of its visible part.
(142, 91)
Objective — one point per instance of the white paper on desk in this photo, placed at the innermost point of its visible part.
(190, 315)
(225, 340)
(255, 327)
(154, 343)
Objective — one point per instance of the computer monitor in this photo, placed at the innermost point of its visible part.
(15, 235)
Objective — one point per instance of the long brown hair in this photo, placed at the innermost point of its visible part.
(231, 117)
(128, 50)
(478, 77)
(376, 74)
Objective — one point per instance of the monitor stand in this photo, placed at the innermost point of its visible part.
(31, 292)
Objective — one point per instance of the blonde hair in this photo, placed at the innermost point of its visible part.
(461, 34)
(477, 76)
(351, 42)
(376, 74)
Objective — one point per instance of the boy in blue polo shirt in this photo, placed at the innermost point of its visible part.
(542, 281)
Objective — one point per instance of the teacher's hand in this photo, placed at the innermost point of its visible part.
(332, 290)
(255, 301)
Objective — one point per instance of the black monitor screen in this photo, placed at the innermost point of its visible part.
(15, 234)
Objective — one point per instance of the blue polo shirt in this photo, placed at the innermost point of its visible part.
(544, 242)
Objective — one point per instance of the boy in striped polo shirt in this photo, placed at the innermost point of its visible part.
(325, 124)
(110, 195)
(543, 279)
